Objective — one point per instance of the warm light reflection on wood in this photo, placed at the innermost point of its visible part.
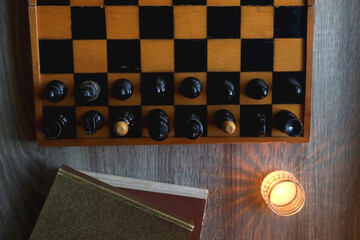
(239, 199)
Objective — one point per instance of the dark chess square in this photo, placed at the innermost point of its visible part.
(121, 2)
(156, 22)
(123, 56)
(290, 22)
(190, 55)
(53, 2)
(88, 23)
(249, 118)
(56, 56)
(189, 2)
(223, 22)
(257, 2)
(257, 55)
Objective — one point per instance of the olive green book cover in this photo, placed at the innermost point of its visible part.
(81, 207)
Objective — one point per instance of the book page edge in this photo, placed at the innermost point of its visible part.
(149, 186)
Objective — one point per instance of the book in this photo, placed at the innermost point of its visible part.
(88, 205)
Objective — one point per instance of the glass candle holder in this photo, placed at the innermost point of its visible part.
(283, 193)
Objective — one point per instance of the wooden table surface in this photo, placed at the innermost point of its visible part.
(328, 167)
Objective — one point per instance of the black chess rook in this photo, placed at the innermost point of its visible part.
(55, 91)
(53, 127)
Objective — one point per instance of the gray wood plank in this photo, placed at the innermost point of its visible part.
(328, 167)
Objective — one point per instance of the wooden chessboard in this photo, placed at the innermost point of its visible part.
(105, 40)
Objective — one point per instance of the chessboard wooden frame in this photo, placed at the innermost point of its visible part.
(171, 140)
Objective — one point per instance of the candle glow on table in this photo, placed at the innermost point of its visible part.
(283, 193)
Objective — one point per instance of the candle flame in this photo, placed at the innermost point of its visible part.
(279, 191)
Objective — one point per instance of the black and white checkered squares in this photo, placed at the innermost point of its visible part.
(223, 43)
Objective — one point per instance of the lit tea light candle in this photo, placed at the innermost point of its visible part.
(283, 193)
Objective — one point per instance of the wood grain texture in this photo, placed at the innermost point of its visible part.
(328, 167)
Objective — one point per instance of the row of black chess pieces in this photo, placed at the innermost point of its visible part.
(159, 129)
(191, 87)
(158, 120)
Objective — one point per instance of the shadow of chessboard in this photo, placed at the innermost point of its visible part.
(213, 41)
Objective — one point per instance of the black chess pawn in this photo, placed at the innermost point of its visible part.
(55, 91)
(292, 88)
(225, 120)
(257, 89)
(288, 123)
(122, 89)
(159, 87)
(52, 128)
(158, 125)
(123, 123)
(90, 91)
(193, 127)
(93, 121)
(261, 124)
(226, 90)
(191, 87)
